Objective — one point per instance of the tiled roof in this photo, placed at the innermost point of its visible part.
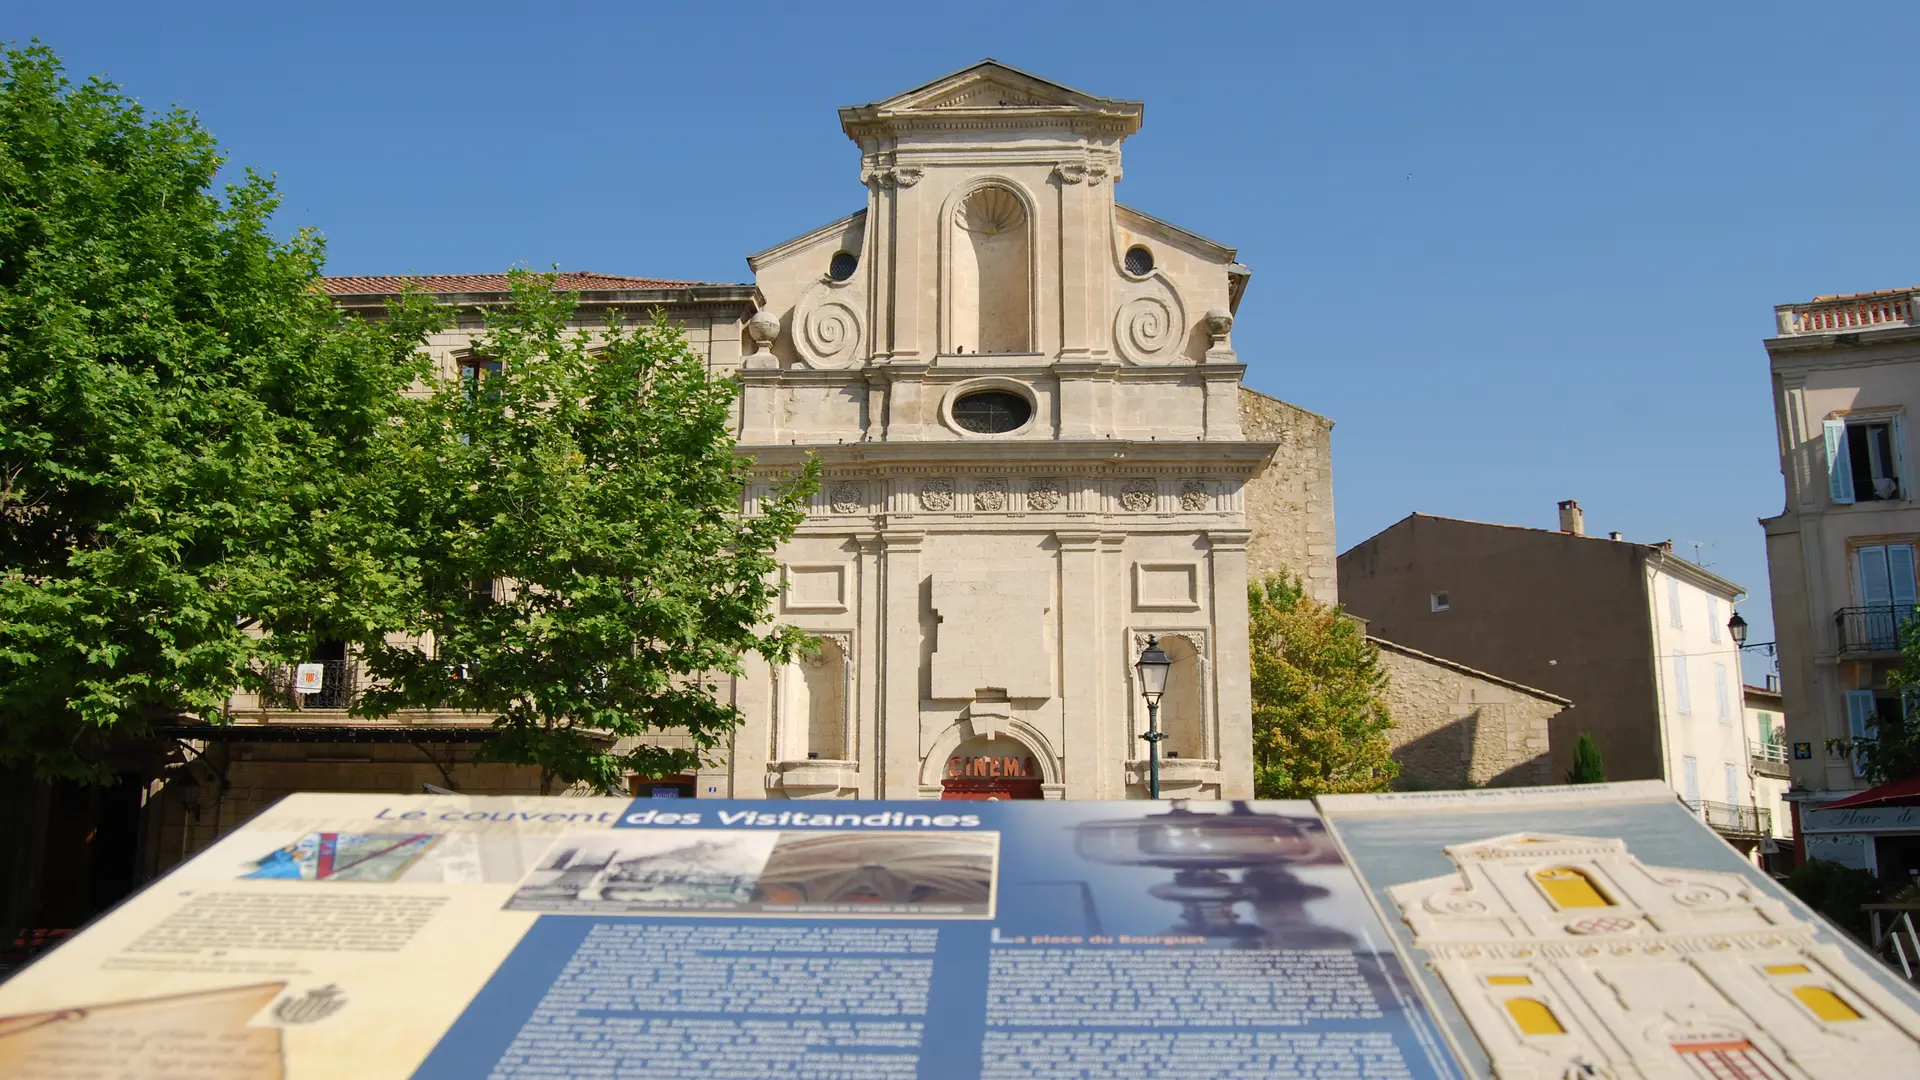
(1861, 295)
(572, 280)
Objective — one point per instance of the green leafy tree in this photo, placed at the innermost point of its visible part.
(1587, 767)
(181, 413)
(1836, 892)
(572, 508)
(1319, 707)
(1890, 749)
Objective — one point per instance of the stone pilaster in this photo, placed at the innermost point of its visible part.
(1232, 677)
(897, 755)
(1085, 742)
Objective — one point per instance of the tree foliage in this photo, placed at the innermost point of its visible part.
(1587, 766)
(1836, 892)
(1319, 707)
(593, 481)
(1890, 748)
(181, 412)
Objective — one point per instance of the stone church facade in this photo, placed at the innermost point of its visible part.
(1036, 451)
(1028, 406)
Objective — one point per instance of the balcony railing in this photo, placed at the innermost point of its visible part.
(339, 687)
(1731, 819)
(1773, 753)
(1845, 314)
(1871, 629)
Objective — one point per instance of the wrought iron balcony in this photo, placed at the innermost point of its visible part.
(339, 687)
(1733, 820)
(1772, 753)
(1873, 629)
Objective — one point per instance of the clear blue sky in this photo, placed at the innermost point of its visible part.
(1519, 252)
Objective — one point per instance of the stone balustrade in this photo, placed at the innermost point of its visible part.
(1846, 314)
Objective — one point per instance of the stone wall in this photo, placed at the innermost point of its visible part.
(1455, 727)
(1290, 506)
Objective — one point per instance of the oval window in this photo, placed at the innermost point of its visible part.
(843, 265)
(1139, 261)
(992, 412)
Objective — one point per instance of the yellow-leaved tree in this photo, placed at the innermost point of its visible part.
(1320, 716)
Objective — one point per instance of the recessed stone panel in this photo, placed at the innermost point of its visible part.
(1166, 586)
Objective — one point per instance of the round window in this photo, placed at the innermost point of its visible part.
(992, 412)
(843, 265)
(1139, 261)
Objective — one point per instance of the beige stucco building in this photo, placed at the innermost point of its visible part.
(1840, 554)
(1634, 636)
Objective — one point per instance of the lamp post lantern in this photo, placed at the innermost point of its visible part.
(1152, 669)
(1737, 627)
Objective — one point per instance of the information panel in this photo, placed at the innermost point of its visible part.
(1394, 938)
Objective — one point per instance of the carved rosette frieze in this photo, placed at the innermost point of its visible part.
(990, 494)
(1195, 638)
(1043, 493)
(1136, 496)
(846, 497)
(936, 494)
(1194, 496)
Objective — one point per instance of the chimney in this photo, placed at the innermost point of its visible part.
(1613, 536)
(1571, 519)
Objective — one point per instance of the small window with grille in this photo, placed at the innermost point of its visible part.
(992, 412)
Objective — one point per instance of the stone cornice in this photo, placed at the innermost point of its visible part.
(1023, 456)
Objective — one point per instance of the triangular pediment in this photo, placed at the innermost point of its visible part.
(990, 88)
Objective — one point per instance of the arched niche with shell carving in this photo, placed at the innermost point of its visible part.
(989, 288)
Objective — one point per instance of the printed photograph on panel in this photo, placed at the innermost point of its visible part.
(326, 856)
(635, 872)
(1239, 875)
(944, 874)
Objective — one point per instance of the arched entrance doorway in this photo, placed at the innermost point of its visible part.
(982, 769)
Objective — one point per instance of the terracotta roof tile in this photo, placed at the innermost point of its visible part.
(573, 280)
(1861, 295)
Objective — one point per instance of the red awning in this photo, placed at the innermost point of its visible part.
(1897, 792)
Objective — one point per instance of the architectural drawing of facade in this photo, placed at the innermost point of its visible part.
(1571, 959)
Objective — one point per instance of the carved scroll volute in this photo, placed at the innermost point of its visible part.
(827, 332)
(1151, 326)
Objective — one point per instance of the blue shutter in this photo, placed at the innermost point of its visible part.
(1897, 431)
(1862, 722)
(1900, 584)
(1839, 464)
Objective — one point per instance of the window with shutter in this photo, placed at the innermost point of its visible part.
(1690, 778)
(1839, 461)
(1722, 702)
(1872, 461)
(1673, 602)
(1713, 619)
(1862, 722)
(1682, 696)
(1731, 777)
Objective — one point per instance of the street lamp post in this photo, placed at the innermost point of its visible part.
(1152, 669)
(1737, 627)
